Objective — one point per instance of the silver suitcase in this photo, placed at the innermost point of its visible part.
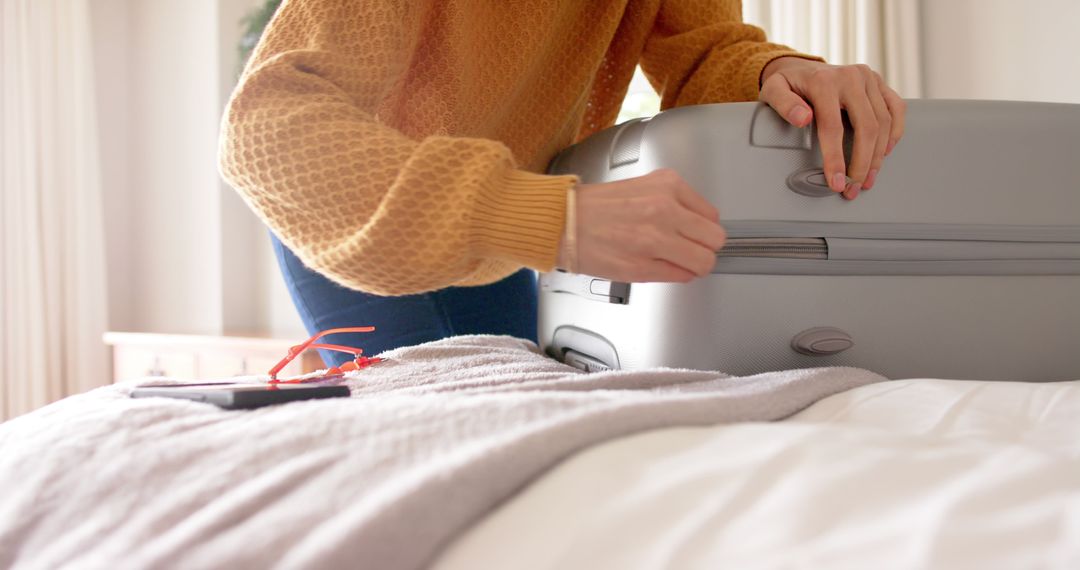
(962, 262)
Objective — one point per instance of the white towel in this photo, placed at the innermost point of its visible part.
(431, 441)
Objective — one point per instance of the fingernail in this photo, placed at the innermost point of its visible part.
(852, 191)
(799, 115)
(838, 182)
(870, 178)
(889, 147)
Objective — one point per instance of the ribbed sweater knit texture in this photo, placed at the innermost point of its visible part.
(398, 146)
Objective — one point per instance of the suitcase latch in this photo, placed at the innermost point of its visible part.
(822, 341)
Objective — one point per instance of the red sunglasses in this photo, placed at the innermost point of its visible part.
(357, 362)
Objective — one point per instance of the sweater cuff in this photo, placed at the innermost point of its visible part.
(519, 217)
(751, 80)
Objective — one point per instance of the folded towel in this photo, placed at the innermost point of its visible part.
(432, 439)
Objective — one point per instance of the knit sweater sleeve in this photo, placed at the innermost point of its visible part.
(355, 199)
(700, 51)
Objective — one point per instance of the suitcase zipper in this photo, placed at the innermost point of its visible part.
(776, 248)
(860, 256)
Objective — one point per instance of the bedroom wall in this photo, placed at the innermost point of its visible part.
(185, 255)
(174, 99)
(111, 43)
(1001, 49)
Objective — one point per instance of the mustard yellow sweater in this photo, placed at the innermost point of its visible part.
(396, 146)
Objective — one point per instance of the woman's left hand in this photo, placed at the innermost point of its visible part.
(799, 88)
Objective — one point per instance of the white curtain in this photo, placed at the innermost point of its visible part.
(883, 34)
(52, 272)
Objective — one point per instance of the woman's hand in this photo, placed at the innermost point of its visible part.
(798, 88)
(651, 228)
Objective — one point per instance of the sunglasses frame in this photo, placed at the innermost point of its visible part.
(357, 362)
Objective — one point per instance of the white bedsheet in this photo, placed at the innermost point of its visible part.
(906, 474)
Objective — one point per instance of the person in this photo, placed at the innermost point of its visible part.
(396, 150)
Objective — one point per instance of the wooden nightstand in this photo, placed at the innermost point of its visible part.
(138, 355)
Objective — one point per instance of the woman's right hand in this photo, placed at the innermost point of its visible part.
(651, 228)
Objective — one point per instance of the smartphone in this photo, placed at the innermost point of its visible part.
(232, 396)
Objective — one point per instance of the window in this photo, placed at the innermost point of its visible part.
(641, 100)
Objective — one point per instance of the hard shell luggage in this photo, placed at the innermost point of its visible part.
(962, 262)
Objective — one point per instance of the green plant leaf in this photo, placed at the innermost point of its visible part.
(254, 23)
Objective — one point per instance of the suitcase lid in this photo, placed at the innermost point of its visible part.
(974, 170)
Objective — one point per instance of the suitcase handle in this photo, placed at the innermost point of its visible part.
(769, 130)
(585, 349)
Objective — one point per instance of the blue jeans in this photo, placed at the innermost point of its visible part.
(506, 307)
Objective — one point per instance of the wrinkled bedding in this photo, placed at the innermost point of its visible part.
(431, 441)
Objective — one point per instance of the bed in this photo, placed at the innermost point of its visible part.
(479, 452)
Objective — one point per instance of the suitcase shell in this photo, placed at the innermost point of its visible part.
(962, 262)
